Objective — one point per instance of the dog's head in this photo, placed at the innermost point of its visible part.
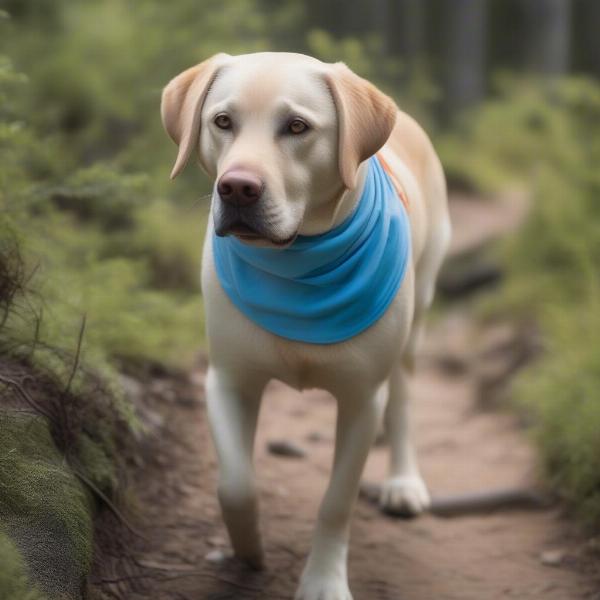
(282, 134)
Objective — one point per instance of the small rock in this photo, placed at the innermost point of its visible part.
(285, 448)
(216, 556)
(453, 364)
(552, 558)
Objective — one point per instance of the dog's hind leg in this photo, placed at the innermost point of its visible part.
(233, 412)
(404, 492)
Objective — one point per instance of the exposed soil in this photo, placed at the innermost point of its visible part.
(183, 554)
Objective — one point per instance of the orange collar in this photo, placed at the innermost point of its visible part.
(397, 185)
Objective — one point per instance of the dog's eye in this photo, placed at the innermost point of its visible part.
(223, 121)
(297, 126)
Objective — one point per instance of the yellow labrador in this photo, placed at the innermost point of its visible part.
(287, 139)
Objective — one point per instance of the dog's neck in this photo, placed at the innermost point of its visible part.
(336, 211)
(326, 288)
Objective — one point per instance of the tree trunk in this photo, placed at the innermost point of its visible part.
(549, 25)
(589, 26)
(465, 52)
(405, 31)
(380, 19)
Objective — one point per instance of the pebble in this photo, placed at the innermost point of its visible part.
(552, 558)
(285, 448)
(216, 556)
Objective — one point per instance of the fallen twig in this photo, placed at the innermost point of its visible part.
(77, 355)
(109, 503)
(473, 503)
(170, 567)
(23, 393)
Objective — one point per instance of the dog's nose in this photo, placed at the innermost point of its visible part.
(240, 188)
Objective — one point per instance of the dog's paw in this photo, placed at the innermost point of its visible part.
(323, 588)
(404, 496)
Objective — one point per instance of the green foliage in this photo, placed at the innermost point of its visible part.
(98, 243)
(561, 392)
(14, 581)
(172, 253)
(550, 140)
(527, 126)
(98, 194)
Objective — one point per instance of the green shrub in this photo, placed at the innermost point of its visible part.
(562, 393)
(99, 194)
(550, 141)
(527, 126)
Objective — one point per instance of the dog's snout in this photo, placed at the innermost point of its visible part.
(240, 188)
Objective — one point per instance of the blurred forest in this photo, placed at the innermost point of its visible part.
(90, 224)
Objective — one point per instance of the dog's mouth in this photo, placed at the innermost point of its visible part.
(244, 231)
(249, 234)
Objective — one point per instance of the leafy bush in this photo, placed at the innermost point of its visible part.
(549, 139)
(527, 126)
(561, 392)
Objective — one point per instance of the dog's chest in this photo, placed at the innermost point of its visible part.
(241, 345)
(363, 360)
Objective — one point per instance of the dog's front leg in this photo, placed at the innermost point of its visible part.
(233, 412)
(325, 573)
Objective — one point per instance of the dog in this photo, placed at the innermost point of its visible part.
(296, 147)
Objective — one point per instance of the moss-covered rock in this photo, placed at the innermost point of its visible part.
(44, 508)
(14, 579)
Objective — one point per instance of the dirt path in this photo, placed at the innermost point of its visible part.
(461, 449)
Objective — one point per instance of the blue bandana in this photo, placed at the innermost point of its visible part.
(326, 288)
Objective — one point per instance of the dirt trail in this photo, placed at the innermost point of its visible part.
(461, 449)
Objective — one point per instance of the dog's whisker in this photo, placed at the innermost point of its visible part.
(198, 202)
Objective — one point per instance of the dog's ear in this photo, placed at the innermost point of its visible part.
(181, 106)
(366, 117)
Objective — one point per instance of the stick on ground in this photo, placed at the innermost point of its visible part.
(473, 503)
